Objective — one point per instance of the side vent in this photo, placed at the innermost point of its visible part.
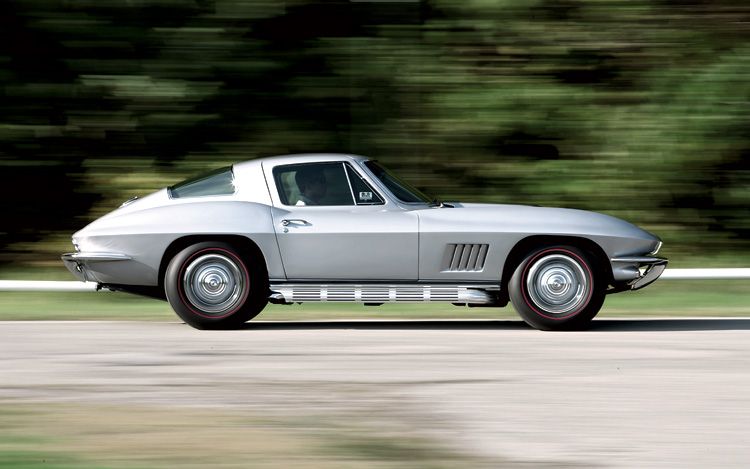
(465, 257)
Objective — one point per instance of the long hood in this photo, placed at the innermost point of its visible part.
(531, 219)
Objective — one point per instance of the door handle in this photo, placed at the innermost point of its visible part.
(297, 221)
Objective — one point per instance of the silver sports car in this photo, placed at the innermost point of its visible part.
(330, 227)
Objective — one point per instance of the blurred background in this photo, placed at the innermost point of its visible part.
(630, 107)
(635, 108)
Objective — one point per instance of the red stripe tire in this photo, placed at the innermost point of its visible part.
(213, 285)
(557, 287)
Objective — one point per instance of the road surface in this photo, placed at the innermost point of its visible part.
(629, 393)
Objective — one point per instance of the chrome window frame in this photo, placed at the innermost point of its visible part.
(235, 189)
(268, 167)
(381, 199)
(310, 163)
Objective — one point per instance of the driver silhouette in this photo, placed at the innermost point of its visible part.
(311, 182)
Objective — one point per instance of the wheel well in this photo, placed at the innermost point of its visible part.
(246, 246)
(526, 245)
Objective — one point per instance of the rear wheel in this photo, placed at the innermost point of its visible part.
(211, 285)
(557, 288)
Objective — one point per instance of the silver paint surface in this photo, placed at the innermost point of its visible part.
(391, 242)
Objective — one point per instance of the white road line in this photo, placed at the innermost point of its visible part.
(705, 274)
(46, 285)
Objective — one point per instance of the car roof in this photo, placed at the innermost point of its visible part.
(300, 158)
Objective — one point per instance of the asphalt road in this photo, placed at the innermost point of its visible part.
(629, 393)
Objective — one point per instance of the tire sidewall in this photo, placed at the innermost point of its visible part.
(539, 318)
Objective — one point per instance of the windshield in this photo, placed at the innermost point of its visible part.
(400, 188)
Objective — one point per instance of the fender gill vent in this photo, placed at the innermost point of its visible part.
(464, 257)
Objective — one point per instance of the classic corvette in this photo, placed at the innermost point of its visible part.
(329, 227)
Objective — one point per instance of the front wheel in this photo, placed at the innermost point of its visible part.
(557, 288)
(210, 286)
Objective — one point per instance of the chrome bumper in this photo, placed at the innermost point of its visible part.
(76, 262)
(654, 268)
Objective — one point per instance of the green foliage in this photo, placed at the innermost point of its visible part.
(633, 107)
(37, 460)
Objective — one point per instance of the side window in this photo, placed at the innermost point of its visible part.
(363, 192)
(313, 184)
(218, 182)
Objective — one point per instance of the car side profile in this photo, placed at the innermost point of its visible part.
(331, 227)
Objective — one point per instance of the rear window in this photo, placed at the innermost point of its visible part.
(218, 182)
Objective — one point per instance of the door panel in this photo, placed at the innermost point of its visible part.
(347, 243)
(343, 231)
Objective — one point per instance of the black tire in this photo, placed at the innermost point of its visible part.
(213, 285)
(557, 288)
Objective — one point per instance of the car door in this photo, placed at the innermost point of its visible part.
(332, 225)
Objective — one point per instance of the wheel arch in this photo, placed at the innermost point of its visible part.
(245, 245)
(526, 245)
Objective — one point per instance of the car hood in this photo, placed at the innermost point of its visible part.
(532, 219)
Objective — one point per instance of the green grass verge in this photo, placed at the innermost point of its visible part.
(69, 436)
(41, 459)
(664, 298)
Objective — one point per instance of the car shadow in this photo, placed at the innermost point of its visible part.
(681, 324)
(600, 325)
(385, 324)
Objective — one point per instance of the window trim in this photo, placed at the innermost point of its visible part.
(233, 181)
(359, 171)
(382, 200)
(349, 181)
(279, 187)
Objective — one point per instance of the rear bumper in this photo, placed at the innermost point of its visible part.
(79, 263)
(654, 267)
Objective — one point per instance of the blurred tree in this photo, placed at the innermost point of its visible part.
(634, 107)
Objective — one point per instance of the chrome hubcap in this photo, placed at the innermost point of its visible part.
(558, 284)
(213, 283)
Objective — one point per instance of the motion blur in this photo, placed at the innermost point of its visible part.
(636, 108)
(600, 105)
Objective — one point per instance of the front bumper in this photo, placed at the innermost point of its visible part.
(654, 267)
(78, 263)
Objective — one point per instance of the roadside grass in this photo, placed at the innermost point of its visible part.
(664, 298)
(683, 298)
(67, 436)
